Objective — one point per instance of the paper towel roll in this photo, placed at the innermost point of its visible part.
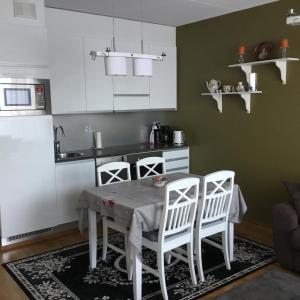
(98, 140)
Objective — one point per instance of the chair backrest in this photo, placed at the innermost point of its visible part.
(151, 166)
(216, 196)
(114, 172)
(181, 201)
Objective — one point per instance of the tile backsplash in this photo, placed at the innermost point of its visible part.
(116, 128)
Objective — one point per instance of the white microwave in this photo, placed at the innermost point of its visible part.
(24, 96)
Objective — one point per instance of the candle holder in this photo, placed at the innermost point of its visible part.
(284, 52)
(241, 58)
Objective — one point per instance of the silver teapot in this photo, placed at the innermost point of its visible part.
(213, 85)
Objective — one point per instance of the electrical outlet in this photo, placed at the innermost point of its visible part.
(88, 129)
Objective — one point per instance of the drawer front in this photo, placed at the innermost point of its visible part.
(168, 155)
(181, 163)
(131, 102)
(182, 170)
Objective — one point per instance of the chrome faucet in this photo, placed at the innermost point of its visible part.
(56, 141)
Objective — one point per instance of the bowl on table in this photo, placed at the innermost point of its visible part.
(159, 181)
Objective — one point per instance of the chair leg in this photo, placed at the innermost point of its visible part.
(190, 254)
(161, 271)
(199, 259)
(128, 257)
(168, 258)
(226, 249)
(105, 238)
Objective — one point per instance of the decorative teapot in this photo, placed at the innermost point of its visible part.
(240, 87)
(213, 85)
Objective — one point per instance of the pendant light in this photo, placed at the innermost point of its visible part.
(115, 65)
(142, 67)
(116, 62)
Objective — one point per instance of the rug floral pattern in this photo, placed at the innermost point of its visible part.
(64, 274)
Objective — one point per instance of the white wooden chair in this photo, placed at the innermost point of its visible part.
(212, 214)
(151, 166)
(176, 227)
(114, 172)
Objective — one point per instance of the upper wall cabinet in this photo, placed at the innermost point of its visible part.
(79, 84)
(163, 83)
(23, 45)
(23, 12)
(99, 87)
(66, 64)
(130, 92)
(23, 50)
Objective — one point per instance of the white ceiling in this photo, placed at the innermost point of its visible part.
(166, 12)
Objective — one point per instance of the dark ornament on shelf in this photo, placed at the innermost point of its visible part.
(263, 51)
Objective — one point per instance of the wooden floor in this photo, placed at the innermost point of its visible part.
(10, 290)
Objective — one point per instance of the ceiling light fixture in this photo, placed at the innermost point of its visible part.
(115, 62)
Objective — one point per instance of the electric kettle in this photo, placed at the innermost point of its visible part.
(178, 137)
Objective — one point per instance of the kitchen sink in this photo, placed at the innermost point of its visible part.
(70, 155)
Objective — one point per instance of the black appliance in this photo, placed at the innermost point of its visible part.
(166, 134)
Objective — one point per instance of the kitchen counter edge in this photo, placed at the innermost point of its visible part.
(118, 151)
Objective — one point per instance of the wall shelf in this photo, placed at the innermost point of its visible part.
(281, 64)
(246, 96)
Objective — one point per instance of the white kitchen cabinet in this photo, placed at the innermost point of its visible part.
(163, 83)
(71, 179)
(24, 49)
(130, 85)
(131, 102)
(22, 12)
(66, 64)
(177, 160)
(79, 84)
(99, 87)
(130, 92)
(27, 176)
(23, 45)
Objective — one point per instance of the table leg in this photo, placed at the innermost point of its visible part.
(231, 240)
(137, 274)
(93, 238)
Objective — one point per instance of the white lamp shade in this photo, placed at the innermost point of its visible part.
(142, 67)
(115, 65)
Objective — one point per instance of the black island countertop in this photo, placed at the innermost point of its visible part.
(118, 150)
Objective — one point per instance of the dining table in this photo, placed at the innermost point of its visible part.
(137, 205)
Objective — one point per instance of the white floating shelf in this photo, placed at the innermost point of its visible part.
(246, 96)
(281, 64)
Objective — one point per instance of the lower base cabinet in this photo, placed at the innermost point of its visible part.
(177, 161)
(71, 179)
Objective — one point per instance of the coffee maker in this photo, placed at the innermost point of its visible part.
(166, 135)
(155, 133)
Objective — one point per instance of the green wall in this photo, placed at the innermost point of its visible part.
(262, 147)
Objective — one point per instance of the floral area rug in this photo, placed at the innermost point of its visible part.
(65, 273)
